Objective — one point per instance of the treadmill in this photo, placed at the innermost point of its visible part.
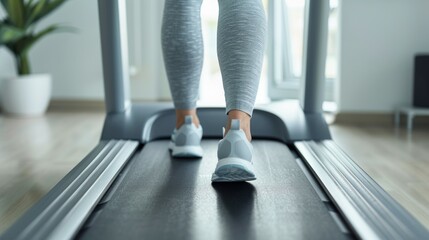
(128, 186)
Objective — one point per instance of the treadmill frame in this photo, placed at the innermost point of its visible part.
(369, 210)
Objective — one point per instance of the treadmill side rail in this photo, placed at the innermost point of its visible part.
(370, 211)
(61, 212)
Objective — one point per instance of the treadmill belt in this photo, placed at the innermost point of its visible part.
(165, 198)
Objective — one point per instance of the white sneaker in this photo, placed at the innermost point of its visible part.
(235, 157)
(186, 141)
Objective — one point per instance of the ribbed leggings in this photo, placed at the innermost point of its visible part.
(240, 48)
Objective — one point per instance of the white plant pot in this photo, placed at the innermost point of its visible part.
(26, 95)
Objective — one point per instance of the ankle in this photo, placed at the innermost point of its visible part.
(180, 117)
(244, 122)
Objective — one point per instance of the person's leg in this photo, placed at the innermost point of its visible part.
(182, 46)
(241, 45)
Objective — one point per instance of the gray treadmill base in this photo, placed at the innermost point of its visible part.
(366, 206)
(63, 210)
(283, 121)
(165, 198)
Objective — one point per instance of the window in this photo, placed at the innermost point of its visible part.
(282, 68)
(286, 24)
(211, 88)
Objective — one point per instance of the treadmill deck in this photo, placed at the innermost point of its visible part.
(159, 197)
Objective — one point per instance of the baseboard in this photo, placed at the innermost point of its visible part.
(379, 119)
(59, 105)
(361, 118)
(364, 118)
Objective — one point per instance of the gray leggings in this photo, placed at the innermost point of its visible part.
(240, 48)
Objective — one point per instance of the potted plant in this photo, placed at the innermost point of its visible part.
(27, 94)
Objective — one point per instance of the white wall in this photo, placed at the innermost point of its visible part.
(378, 42)
(74, 59)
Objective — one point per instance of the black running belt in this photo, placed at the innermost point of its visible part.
(164, 198)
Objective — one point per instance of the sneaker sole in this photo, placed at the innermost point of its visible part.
(233, 170)
(187, 151)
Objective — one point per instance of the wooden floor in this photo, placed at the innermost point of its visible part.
(36, 153)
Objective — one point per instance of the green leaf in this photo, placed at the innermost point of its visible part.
(4, 3)
(9, 34)
(54, 4)
(28, 8)
(16, 12)
(25, 44)
(29, 3)
(46, 10)
(18, 27)
(35, 11)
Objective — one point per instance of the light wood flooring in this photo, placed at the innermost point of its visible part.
(35, 153)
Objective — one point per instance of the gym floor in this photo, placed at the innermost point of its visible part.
(37, 152)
